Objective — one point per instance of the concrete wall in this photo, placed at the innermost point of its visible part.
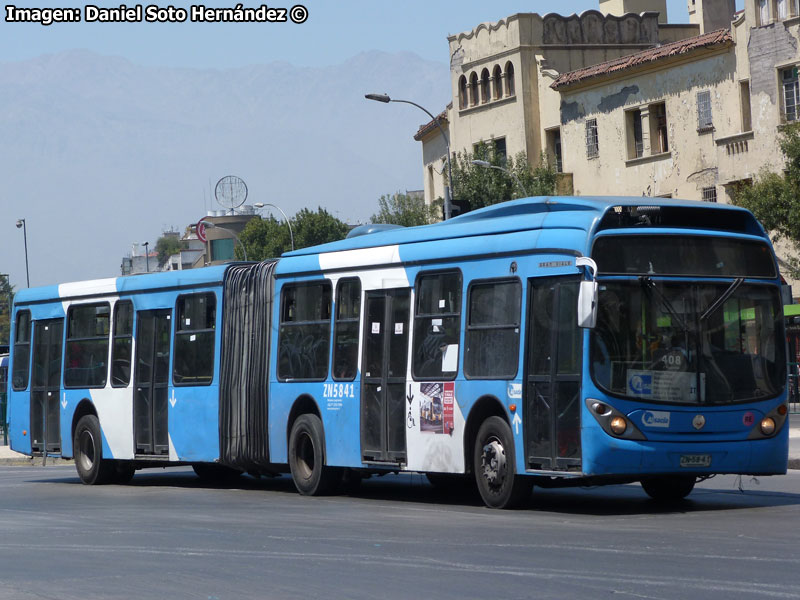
(689, 165)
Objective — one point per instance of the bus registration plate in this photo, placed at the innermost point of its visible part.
(695, 460)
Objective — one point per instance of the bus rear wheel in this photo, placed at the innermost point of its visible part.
(87, 445)
(493, 464)
(307, 458)
(669, 488)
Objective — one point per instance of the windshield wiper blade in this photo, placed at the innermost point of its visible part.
(721, 300)
(650, 286)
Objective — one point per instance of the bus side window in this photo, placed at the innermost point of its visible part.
(195, 327)
(345, 346)
(22, 351)
(305, 331)
(492, 337)
(86, 355)
(437, 325)
(122, 344)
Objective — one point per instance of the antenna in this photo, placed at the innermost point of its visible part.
(230, 192)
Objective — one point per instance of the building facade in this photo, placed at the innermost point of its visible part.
(623, 103)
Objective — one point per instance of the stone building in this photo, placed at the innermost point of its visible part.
(622, 102)
(501, 73)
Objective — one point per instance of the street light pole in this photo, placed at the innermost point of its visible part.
(488, 165)
(448, 202)
(21, 223)
(146, 256)
(210, 225)
(285, 218)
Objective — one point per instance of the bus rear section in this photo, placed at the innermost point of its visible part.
(126, 373)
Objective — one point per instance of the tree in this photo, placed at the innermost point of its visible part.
(269, 238)
(166, 246)
(405, 210)
(314, 228)
(6, 297)
(483, 186)
(774, 198)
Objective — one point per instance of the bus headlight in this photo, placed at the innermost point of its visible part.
(618, 425)
(771, 424)
(613, 421)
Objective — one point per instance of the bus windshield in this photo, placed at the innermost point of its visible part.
(664, 341)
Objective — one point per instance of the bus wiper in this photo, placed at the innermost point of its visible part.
(721, 300)
(651, 287)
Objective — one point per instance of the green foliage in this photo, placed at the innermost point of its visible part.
(484, 186)
(6, 297)
(774, 198)
(405, 210)
(269, 238)
(320, 227)
(166, 246)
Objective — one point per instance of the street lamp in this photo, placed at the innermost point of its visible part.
(146, 255)
(21, 223)
(285, 218)
(448, 204)
(210, 225)
(487, 165)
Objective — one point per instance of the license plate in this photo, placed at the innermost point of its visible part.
(695, 460)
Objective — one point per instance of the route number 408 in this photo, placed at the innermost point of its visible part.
(339, 390)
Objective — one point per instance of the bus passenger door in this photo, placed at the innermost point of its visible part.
(385, 364)
(151, 382)
(46, 386)
(552, 420)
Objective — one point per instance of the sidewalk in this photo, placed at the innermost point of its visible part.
(9, 457)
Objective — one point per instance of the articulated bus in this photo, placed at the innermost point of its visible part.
(547, 341)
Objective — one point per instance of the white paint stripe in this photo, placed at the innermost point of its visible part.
(382, 255)
(88, 288)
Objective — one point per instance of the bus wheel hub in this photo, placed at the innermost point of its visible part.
(493, 462)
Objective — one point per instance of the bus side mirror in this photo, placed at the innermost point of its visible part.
(587, 294)
(587, 304)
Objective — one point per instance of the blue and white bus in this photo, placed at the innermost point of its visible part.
(556, 342)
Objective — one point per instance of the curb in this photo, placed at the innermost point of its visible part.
(27, 461)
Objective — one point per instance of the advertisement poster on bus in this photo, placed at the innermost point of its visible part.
(436, 407)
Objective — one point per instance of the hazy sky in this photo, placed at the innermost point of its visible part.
(335, 30)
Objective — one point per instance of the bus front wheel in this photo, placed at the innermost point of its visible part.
(307, 458)
(494, 466)
(669, 488)
(88, 448)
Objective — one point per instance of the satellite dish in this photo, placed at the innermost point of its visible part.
(230, 192)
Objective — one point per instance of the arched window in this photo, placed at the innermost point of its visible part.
(485, 92)
(462, 92)
(510, 79)
(498, 82)
(473, 83)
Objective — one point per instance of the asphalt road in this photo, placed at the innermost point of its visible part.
(169, 536)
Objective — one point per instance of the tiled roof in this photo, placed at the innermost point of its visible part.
(714, 38)
(430, 126)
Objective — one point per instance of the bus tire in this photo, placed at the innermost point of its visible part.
(124, 471)
(87, 445)
(669, 488)
(494, 466)
(307, 458)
